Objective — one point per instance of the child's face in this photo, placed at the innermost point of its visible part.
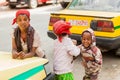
(86, 39)
(22, 21)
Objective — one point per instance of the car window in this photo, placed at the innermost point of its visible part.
(96, 5)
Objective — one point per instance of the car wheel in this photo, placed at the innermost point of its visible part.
(32, 4)
(12, 6)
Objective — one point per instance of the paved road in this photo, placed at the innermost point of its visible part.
(40, 19)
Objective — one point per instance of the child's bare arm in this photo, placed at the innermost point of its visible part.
(15, 54)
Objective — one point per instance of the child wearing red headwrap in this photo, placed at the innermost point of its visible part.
(25, 39)
(64, 50)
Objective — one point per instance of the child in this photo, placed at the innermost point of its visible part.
(64, 50)
(25, 40)
(91, 55)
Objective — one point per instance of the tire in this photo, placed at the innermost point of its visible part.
(12, 6)
(117, 52)
(32, 4)
(64, 4)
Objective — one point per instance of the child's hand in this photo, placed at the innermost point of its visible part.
(21, 55)
(15, 55)
(74, 41)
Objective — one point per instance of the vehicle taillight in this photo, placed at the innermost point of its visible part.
(55, 19)
(102, 25)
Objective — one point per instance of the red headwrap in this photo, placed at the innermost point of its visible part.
(61, 27)
(19, 12)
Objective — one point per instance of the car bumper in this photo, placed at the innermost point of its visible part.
(102, 42)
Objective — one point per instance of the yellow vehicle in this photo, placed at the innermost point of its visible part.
(103, 16)
(34, 68)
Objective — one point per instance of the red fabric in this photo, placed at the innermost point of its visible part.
(21, 11)
(61, 27)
